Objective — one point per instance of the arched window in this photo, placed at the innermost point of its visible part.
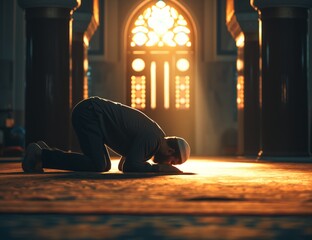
(160, 61)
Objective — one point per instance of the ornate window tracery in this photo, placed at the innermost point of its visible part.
(160, 30)
(161, 25)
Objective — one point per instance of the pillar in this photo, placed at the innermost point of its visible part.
(86, 21)
(242, 23)
(48, 70)
(283, 78)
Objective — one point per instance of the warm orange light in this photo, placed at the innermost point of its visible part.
(240, 40)
(85, 79)
(217, 168)
(140, 38)
(166, 86)
(240, 92)
(138, 92)
(138, 64)
(183, 64)
(153, 85)
(160, 25)
(85, 88)
(182, 92)
(160, 20)
(181, 38)
(153, 39)
(168, 38)
(239, 65)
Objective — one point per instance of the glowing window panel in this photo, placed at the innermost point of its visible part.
(183, 64)
(181, 38)
(240, 92)
(153, 85)
(182, 92)
(139, 29)
(140, 38)
(160, 25)
(138, 64)
(166, 86)
(138, 92)
(85, 79)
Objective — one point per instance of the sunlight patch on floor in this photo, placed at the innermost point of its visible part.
(218, 168)
(203, 167)
(223, 169)
(252, 171)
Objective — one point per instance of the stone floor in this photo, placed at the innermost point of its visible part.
(215, 198)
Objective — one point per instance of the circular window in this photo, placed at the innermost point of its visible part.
(183, 64)
(138, 64)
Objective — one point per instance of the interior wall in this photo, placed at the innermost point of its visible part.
(6, 58)
(19, 73)
(12, 58)
(216, 126)
(106, 69)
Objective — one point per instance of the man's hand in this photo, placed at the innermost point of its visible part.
(168, 168)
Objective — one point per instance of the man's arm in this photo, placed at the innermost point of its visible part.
(168, 168)
(138, 153)
(128, 168)
(147, 167)
(135, 161)
(155, 167)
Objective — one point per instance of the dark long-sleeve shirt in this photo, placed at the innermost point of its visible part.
(130, 133)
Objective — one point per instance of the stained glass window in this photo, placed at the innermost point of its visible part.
(160, 25)
(182, 91)
(160, 78)
(138, 94)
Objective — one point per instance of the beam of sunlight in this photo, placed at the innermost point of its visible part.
(153, 85)
(166, 86)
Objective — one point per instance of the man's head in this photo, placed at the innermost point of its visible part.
(174, 150)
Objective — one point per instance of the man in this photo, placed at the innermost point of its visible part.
(99, 123)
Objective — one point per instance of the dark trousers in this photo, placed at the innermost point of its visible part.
(94, 155)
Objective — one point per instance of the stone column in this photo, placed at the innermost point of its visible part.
(48, 70)
(242, 23)
(283, 78)
(86, 21)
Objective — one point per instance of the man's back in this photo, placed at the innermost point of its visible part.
(124, 127)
